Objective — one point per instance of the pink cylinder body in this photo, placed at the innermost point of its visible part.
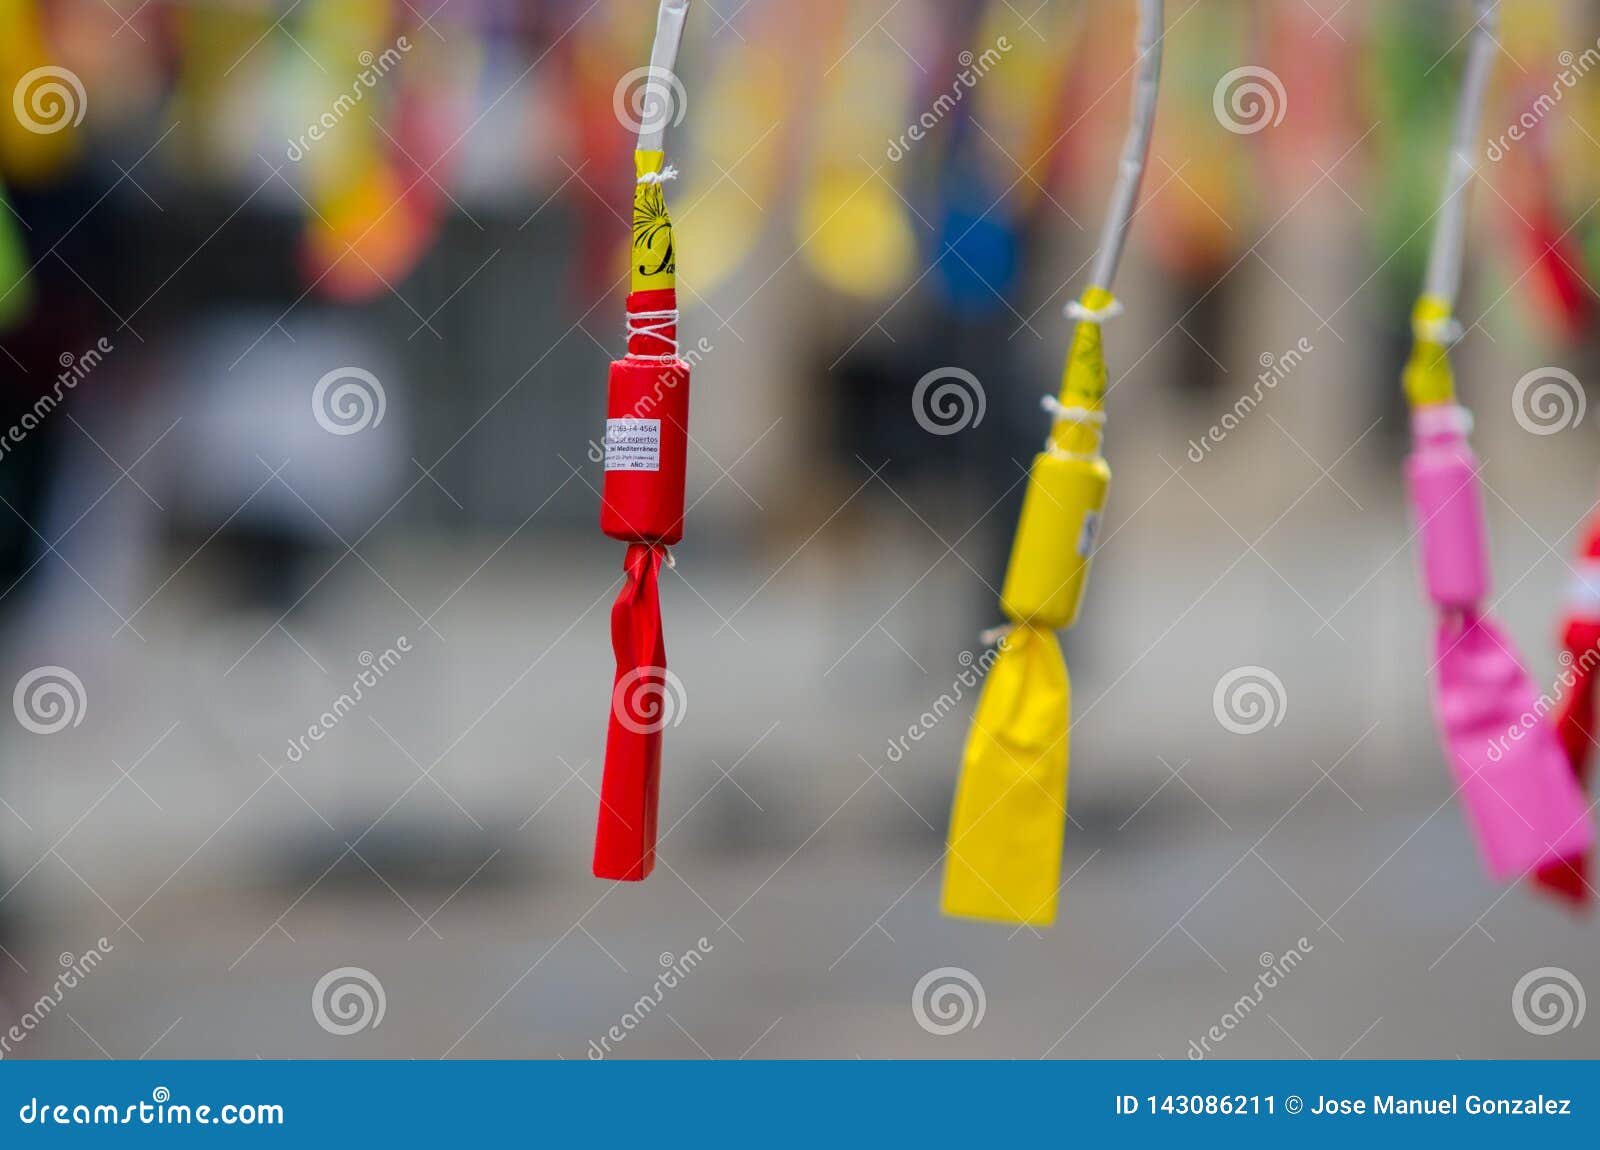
(1441, 475)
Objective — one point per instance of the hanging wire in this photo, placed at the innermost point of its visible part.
(1130, 171)
(1449, 238)
(662, 89)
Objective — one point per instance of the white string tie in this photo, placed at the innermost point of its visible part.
(1071, 414)
(661, 177)
(1442, 419)
(994, 636)
(1447, 331)
(1055, 452)
(1076, 310)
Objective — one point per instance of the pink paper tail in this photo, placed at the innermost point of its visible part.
(1516, 785)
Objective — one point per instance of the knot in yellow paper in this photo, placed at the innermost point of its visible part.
(1083, 380)
(1004, 857)
(1427, 376)
(655, 263)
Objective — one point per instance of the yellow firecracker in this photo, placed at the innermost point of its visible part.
(1003, 861)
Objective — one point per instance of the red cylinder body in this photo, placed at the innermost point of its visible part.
(647, 433)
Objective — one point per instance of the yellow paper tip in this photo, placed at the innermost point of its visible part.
(654, 259)
(1083, 379)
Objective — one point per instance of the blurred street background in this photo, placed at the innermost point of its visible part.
(287, 406)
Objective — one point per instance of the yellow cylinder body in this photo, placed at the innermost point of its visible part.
(1055, 539)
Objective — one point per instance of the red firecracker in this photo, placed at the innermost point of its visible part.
(646, 450)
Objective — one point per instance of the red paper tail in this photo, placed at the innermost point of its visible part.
(1575, 720)
(1575, 725)
(642, 703)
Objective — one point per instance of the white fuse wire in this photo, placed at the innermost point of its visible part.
(1124, 194)
(661, 82)
(1449, 238)
(662, 89)
(1135, 149)
(654, 325)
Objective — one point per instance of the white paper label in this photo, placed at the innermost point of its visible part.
(1091, 526)
(633, 445)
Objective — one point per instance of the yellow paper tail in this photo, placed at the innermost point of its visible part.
(1004, 860)
(1427, 377)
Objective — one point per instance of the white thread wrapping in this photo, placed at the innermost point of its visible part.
(1064, 414)
(667, 173)
(661, 326)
